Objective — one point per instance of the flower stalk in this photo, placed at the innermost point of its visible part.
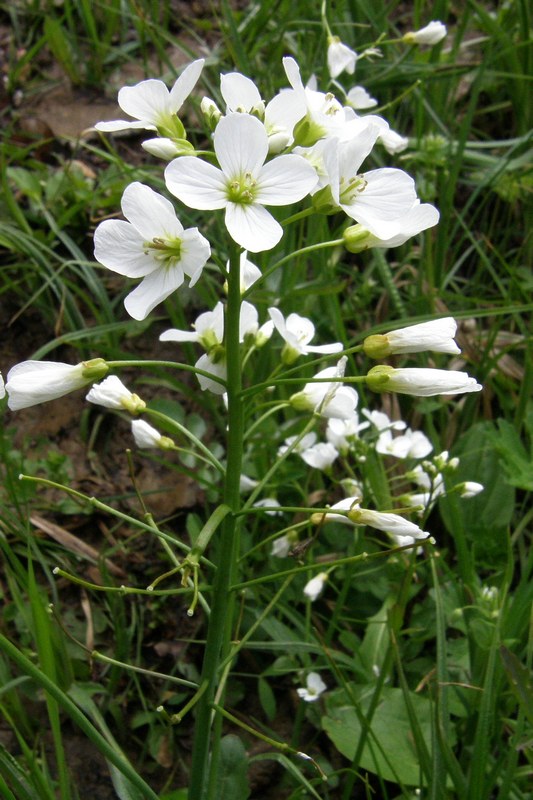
(223, 601)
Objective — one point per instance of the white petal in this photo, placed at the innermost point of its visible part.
(219, 370)
(33, 382)
(147, 100)
(285, 180)
(253, 227)
(153, 289)
(196, 183)
(144, 434)
(161, 147)
(150, 213)
(111, 126)
(185, 84)
(174, 335)
(241, 145)
(239, 92)
(119, 247)
(359, 98)
(387, 197)
(195, 251)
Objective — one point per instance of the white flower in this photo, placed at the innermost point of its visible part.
(419, 217)
(215, 369)
(153, 106)
(271, 503)
(208, 330)
(470, 488)
(340, 57)
(437, 335)
(112, 393)
(33, 382)
(162, 147)
(382, 521)
(146, 436)
(314, 688)
(382, 422)
(420, 382)
(314, 587)
(412, 444)
(433, 33)
(210, 334)
(281, 546)
(342, 433)
(304, 443)
(378, 199)
(329, 399)
(244, 184)
(320, 455)
(433, 483)
(359, 98)
(297, 332)
(246, 484)
(319, 114)
(393, 142)
(152, 245)
(2, 387)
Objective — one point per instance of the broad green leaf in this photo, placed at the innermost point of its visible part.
(517, 462)
(232, 781)
(390, 751)
(484, 518)
(520, 680)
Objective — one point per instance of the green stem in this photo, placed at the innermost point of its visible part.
(221, 619)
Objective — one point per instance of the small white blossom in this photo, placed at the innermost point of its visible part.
(329, 399)
(383, 521)
(147, 436)
(411, 444)
(304, 443)
(33, 382)
(152, 105)
(112, 393)
(342, 433)
(313, 689)
(297, 332)
(247, 484)
(359, 98)
(392, 141)
(420, 382)
(341, 58)
(2, 387)
(281, 546)
(470, 488)
(271, 503)
(320, 455)
(315, 586)
(431, 34)
(152, 245)
(437, 335)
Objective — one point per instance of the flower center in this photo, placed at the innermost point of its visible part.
(349, 189)
(242, 189)
(167, 251)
